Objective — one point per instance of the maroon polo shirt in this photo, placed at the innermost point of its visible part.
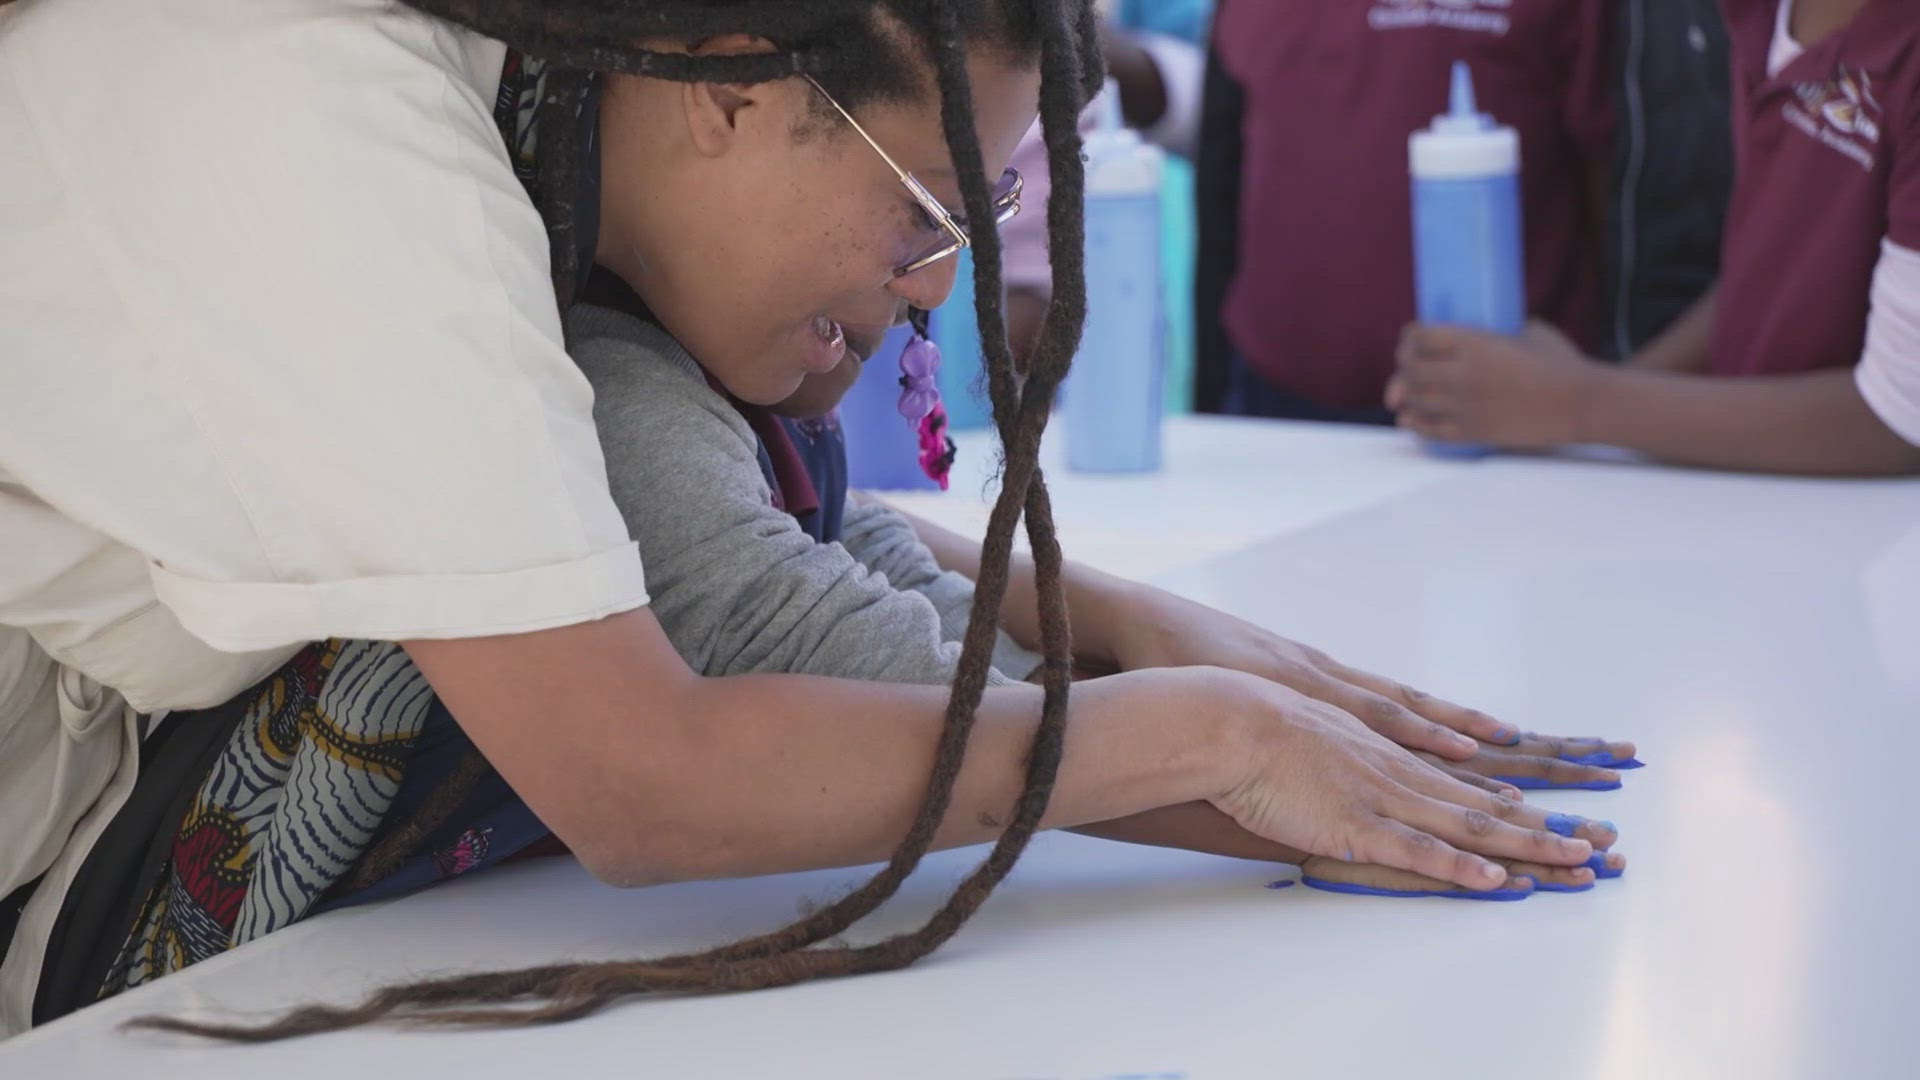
(1333, 88)
(1829, 166)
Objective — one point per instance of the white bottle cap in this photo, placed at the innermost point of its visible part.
(1464, 143)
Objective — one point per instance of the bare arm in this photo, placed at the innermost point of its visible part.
(1814, 423)
(1097, 599)
(1682, 348)
(1537, 391)
(652, 773)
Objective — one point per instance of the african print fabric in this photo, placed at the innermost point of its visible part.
(298, 793)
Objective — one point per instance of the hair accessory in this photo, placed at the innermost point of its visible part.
(920, 404)
(919, 392)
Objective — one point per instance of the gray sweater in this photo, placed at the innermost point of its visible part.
(735, 583)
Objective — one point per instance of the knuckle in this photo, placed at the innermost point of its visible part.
(1562, 772)
(1378, 713)
(1465, 865)
(1505, 807)
(1478, 822)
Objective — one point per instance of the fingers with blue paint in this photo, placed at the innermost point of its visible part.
(1580, 751)
(1604, 759)
(1517, 889)
(1600, 834)
(1359, 879)
(1535, 772)
(1492, 826)
(1607, 864)
(1556, 879)
(1534, 783)
(1528, 773)
(1564, 824)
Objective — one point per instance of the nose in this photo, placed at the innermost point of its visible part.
(928, 287)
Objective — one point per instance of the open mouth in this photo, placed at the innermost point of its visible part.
(829, 345)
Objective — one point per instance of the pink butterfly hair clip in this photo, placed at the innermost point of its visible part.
(920, 404)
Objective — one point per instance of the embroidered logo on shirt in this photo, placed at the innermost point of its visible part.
(1841, 112)
(1484, 16)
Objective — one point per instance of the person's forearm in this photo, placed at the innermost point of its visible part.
(1143, 93)
(840, 768)
(656, 775)
(1815, 423)
(1684, 347)
(1097, 600)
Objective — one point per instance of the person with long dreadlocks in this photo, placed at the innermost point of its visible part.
(292, 460)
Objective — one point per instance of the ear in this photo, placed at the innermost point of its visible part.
(715, 110)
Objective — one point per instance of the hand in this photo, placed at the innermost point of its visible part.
(1202, 827)
(1523, 393)
(1152, 628)
(1310, 777)
(1554, 878)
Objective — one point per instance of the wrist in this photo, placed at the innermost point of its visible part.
(1595, 403)
(1226, 703)
(1140, 741)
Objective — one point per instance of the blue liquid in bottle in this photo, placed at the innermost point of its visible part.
(1469, 252)
(1113, 398)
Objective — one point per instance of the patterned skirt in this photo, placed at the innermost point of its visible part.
(251, 816)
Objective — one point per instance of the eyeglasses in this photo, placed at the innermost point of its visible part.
(946, 233)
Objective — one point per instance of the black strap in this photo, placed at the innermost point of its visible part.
(117, 875)
(10, 908)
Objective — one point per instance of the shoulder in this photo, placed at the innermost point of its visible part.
(645, 386)
(268, 54)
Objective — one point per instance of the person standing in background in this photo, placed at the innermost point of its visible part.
(1154, 52)
(1805, 357)
(1306, 241)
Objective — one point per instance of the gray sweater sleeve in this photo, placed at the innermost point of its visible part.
(885, 543)
(735, 583)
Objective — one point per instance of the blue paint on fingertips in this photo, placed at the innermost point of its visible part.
(1547, 886)
(1603, 760)
(1411, 894)
(1564, 824)
(1598, 864)
(1509, 737)
(1535, 783)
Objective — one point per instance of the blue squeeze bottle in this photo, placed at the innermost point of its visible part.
(1113, 396)
(1468, 253)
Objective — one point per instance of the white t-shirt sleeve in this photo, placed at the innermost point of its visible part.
(277, 314)
(1889, 372)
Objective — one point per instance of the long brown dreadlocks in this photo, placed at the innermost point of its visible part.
(851, 47)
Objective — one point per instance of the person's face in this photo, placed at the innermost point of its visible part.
(764, 233)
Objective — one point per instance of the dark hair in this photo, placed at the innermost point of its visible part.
(862, 50)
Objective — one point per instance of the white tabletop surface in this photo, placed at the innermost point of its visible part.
(1759, 637)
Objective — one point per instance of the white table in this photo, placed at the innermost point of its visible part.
(1759, 637)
